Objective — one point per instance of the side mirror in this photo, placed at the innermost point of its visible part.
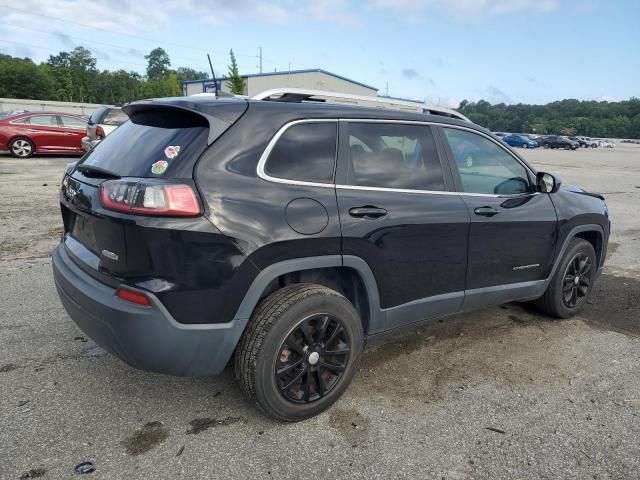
(547, 183)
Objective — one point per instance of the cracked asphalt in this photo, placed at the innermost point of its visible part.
(503, 393)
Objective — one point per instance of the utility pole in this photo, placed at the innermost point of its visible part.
(387, 90)
(259, 57)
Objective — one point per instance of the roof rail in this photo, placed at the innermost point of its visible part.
(298, 95)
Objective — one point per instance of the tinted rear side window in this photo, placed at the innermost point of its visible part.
(393, 156)
(305, 152)
(142, 150)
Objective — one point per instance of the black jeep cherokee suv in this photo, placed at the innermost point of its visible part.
(289, 233)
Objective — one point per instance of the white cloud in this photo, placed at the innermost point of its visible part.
(466, 7)
(119, 15)
(607, 98)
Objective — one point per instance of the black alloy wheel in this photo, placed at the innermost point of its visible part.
(312, 359)
(300, 350)
(577, 279)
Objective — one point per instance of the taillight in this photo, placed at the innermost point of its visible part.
(147, 197)
(100, 132)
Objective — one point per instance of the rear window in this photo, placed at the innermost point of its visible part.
(153, 147)
(115, 117)
(97, 115)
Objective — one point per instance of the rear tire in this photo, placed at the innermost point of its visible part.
(568, 291)
(300, 351)
(22, 147)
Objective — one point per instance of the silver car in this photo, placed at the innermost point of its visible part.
(101, 123)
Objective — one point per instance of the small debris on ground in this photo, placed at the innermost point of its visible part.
(93, 352)
(33, 473)
(494, 429)
(85, 467)
(199, 425)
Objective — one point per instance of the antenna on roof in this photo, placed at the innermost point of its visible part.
(215, 82)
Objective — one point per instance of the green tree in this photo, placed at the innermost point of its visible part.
(84, 75)
(168, 86)
(235, 82)
(21, 78)
(187, 73)
(158, 63)
(566, 117)
(58, 68)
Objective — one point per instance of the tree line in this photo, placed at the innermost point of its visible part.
(73, 76)
(565, 117)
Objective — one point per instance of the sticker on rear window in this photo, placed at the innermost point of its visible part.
(159, 167)
(172, 151)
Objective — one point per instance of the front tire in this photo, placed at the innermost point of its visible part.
(22, 147)
(572, 282)
(300, 351)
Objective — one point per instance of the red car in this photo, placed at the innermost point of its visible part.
(29, 133)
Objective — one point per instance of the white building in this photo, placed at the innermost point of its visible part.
(314, 79)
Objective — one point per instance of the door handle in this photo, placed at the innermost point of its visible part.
(367, 212)
(485, 211)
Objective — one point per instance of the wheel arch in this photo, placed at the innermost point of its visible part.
(596, 239)
(26, 137)
(593, 233)
(350, 276)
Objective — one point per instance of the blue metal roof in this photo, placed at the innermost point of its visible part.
(287, 72)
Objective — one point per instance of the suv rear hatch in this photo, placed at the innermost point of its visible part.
(133, 196)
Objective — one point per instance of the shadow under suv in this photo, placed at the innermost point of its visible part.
(289, 233)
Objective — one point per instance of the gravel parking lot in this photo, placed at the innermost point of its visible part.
(502, 393)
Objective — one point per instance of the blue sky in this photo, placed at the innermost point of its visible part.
(530, 51)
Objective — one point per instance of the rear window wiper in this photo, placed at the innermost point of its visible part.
(94, 171)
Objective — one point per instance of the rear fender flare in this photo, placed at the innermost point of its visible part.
(266, 276)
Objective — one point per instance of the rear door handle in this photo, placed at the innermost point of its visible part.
(367, 212)
(485, 211)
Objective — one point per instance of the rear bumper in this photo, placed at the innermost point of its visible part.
(148, 338)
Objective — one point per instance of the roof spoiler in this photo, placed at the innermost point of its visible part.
(299, 95)
(220, 114)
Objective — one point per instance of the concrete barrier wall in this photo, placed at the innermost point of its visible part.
(10, 104)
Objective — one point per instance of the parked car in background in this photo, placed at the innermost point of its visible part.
(26, 134)
(500, 134)
(590, 142)
(520, 141)
(554, 141)
(101, 123)
(581, 141)
(604, 143)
